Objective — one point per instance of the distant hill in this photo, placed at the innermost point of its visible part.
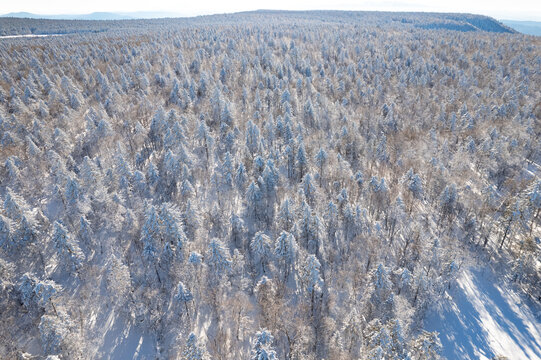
(462, 22)
(26, 15)
(28, 23)
(525, 27)
(95, 15)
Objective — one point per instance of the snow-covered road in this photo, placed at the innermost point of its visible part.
(482, 320)
(28, 36)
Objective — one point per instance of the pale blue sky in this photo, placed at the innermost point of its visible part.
(500, 9)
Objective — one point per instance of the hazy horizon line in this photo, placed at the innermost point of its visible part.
(202, 13)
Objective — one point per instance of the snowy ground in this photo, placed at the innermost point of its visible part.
(482, 320)
(28, 36)
(123, 341)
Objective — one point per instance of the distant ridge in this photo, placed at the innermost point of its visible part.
(95, 15)
(28, 23)
(463, 22)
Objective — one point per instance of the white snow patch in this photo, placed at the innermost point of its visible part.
(28, 36)
(125, 341)
(482, 320)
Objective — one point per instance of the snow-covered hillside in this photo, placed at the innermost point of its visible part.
(270, 185)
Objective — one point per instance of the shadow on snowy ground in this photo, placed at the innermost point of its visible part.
(125, 341)
(483, 320)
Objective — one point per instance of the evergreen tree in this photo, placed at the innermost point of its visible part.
(252, 137)
(193, 350)
(321, 161)
(311, 277)
(285, 215)
(427, 346)
(192, 220)
(65, 245)
(415, 185)
(261, 246)
(262, 346)
(240, 176)
(237, 230)
(302, 161)
(254, 201)
(53, 331)
(308, 188)
(448, 200)
(170, 219)
(7, 229)
(285, 249)
(85, 230)
(183, 295)
(73, 192)
(218, 257)
(14, 205)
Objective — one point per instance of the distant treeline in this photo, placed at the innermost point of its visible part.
(457, 22)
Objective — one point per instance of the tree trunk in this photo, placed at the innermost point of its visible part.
(533, 220)
(507, 228)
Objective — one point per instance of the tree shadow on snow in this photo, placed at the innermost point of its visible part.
(126, 341)
(482, 321)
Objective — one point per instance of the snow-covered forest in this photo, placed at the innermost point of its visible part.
(266, 185)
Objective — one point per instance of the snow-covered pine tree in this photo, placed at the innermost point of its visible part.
(321, 160)
(183, 295)
(218, 257)
(150, 233)
(262, 346)
(65, 246)
(193, 350)
(170, 219)
(285, 250)
(311, 278)
(261, 247)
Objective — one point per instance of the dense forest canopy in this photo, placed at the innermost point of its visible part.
(261, 185)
